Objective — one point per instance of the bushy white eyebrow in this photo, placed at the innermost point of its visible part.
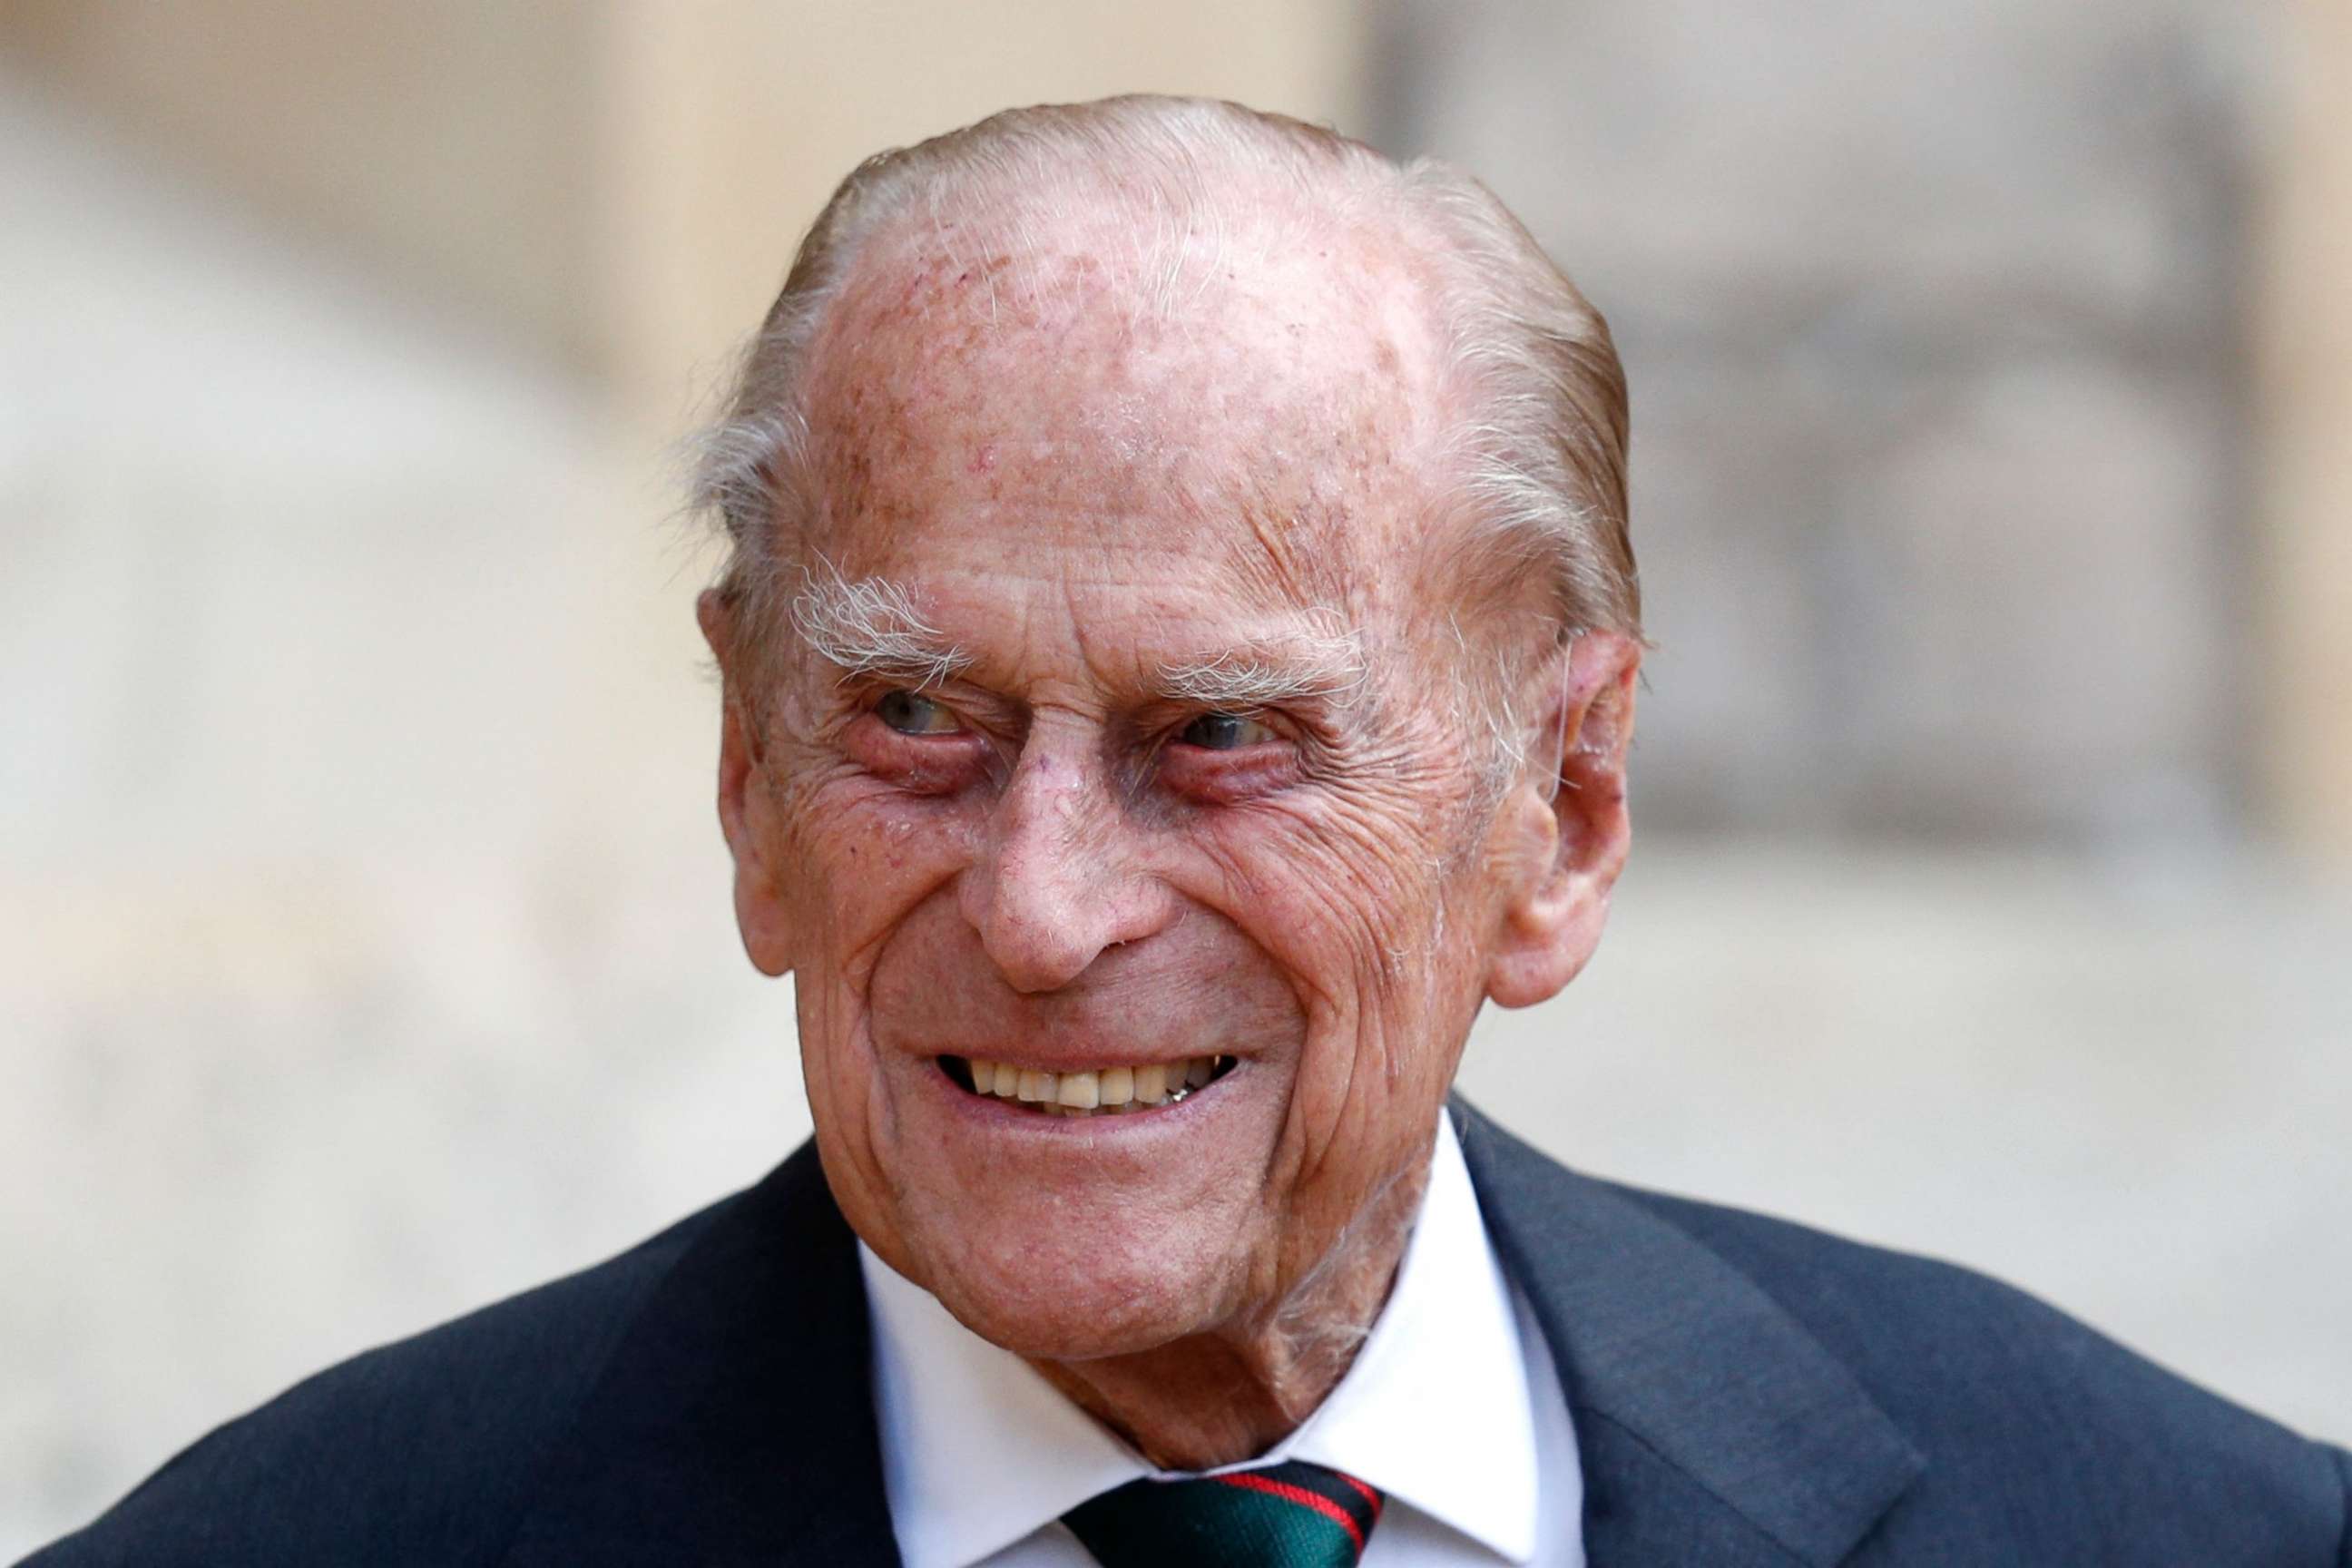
(1268, 672)
(871, 628)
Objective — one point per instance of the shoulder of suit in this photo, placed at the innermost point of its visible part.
(425, 1448)
(2015, 1403)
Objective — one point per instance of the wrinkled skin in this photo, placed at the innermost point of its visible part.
(1080, 489)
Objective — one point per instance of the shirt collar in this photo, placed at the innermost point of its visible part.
(978, 1450)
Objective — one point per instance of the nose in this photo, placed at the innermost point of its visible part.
(1058, 881)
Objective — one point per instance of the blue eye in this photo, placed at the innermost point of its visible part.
(1224, 732)
(911, 713)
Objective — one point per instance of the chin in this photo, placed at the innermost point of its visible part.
(1105, 1286)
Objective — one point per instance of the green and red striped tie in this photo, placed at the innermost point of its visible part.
(1294, 1515)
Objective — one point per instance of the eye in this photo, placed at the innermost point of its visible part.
(1224, 732)
(911, 713)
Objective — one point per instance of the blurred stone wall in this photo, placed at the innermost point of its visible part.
(1934, 321)
(453, 145)
(616, 185)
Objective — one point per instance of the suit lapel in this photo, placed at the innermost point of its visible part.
(734, 1424)
(1712, 1427)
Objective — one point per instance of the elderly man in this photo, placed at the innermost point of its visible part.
(1179, 653)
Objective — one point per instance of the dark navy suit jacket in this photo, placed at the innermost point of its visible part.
(1745, 1391)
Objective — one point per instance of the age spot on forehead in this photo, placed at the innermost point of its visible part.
(1266, 419)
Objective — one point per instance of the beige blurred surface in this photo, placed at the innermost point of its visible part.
(364, 946)
(2303, 340)
(617, 184)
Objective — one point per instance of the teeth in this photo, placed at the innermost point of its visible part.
(1100, 1093)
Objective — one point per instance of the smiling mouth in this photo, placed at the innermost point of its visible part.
(1104, 1091)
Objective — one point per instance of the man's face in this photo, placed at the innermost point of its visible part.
(1199, 790)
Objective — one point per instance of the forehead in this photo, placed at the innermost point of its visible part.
(1247, 405)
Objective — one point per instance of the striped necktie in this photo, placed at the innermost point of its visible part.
(1294, 1515)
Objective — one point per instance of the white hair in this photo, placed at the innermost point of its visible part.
(1269, 674)
(871, 627)
(1541, 458)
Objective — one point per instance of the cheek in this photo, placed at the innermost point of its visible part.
(862, 856)
(1351, 905)
(864, 853)
(1347, 898)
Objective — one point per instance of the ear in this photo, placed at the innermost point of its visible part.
(1562, 833)
(747, 811)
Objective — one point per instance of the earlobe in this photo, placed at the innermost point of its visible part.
(746, 813)
(1564, 852)
(747, 818)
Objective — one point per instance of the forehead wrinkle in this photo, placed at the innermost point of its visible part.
(1292, 551)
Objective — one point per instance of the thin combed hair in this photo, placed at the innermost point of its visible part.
(1541, 459)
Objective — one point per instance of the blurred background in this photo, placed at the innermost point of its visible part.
(364, 942)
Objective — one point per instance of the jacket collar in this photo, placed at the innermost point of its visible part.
(734, 1423)
(1713, 1427)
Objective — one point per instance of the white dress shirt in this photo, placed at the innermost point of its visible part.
(1452, 1409)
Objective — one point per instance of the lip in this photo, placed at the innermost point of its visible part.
(999, 1116)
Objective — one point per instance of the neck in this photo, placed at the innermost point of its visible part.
(1229, 1395)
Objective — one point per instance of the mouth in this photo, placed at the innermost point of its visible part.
(1100, 1091)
